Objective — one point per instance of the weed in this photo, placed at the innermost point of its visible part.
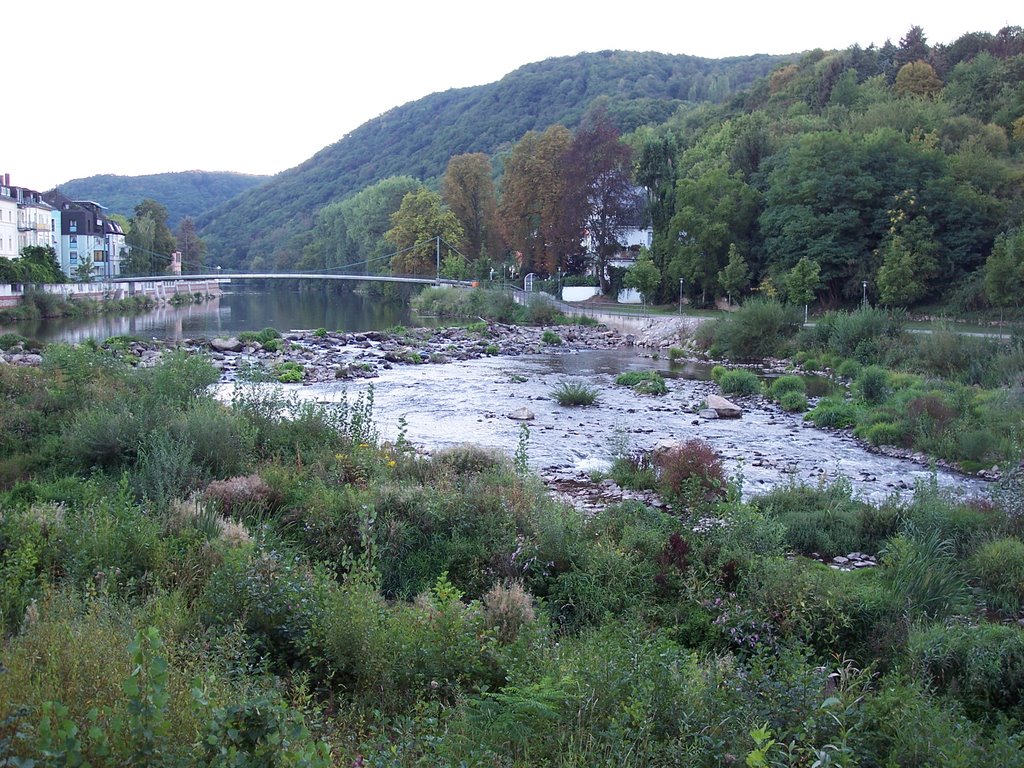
(574, 394)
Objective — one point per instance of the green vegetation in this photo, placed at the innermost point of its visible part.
(739, 381)
(267, 582)
(288, 372)
(552, 338)
(643, 382)
(421, 138)
(574, 393)
(187, 193)
(39, 304)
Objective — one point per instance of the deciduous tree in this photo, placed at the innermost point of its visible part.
(735, 275)
(599, 192)
(191, 246)
(416, 225)
(1004, 270)
(149, 240)
(907, 253)
(532, 218)
(802, 282)
(468, 190)
(643, 276)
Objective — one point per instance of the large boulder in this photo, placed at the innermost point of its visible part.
(226, 345)
(724, 408)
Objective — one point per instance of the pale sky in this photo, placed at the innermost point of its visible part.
(133, 87)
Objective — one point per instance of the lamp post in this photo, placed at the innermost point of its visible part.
(559, 283)
(864, 297)
(680, 296)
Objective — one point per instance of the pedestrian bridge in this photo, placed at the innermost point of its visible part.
(432, 280)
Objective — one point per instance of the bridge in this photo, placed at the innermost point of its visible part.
(231, 276)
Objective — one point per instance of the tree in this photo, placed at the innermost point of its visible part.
(535, 225)
(917, 78)
(714, 211)
(149, 240)
(468, 190)
(908, 254)
(1004, 270)
(83, 272)
(802, 281)
(735, 275)
(643, 276)
(35, 264)
(599, 194)
(416, 225)
(913, 47)
(191, 246)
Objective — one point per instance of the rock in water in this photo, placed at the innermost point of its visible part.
(724, 408)
(522, 414)
(226, 345)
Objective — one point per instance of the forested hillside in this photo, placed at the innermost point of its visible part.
(889, 174)
(268, 224)
(187, 193)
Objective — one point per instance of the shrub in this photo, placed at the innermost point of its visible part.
(550, 337)
(794, 402)
(834, 413)
(717, 372)
(491, 350)
(320, 333)
(675, 353)
(740, 381)
(9, 340)
(759, 329)
(643, 382)
(786, 384)
(690, 472)
(921, 568)
(507, 608)
(860, 335)
(886, 433)
(872, 384)
(289, 372)
(848, 369)
(469, 459)
(998, 566)
(575, 394)
(981, 666)
(239, 495)
(635, 471)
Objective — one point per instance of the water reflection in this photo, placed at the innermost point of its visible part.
(229, 314)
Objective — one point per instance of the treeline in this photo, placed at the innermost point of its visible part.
(889, 173)
(184, 194)
(268, 224)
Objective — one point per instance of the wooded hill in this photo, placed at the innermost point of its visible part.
(186, 193)
(265, 225)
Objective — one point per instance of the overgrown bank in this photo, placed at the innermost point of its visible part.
(293, 587)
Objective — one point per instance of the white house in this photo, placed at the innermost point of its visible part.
(8, 219)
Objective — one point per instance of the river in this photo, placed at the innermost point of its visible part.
(447, 404)
(229, 314)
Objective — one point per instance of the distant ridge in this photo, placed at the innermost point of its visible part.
(265, 224)
(184, 193)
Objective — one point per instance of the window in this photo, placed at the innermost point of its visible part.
(73, 225)
(73, 240)
(74, 257)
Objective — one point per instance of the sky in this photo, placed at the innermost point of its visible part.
(130, 88)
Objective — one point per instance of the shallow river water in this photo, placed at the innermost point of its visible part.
(470, 402)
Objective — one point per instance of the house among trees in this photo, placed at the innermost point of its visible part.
(26, 219)
(84, 238)
(89, 238)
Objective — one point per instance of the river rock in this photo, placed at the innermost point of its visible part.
(708, 413)
(522, 414)
(226, 345)
(724, 408)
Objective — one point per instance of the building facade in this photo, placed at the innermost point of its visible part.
(87, 237)
(8, 219)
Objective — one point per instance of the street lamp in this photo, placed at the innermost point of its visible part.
(864, 298)
(559, 283)
(680, 296)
